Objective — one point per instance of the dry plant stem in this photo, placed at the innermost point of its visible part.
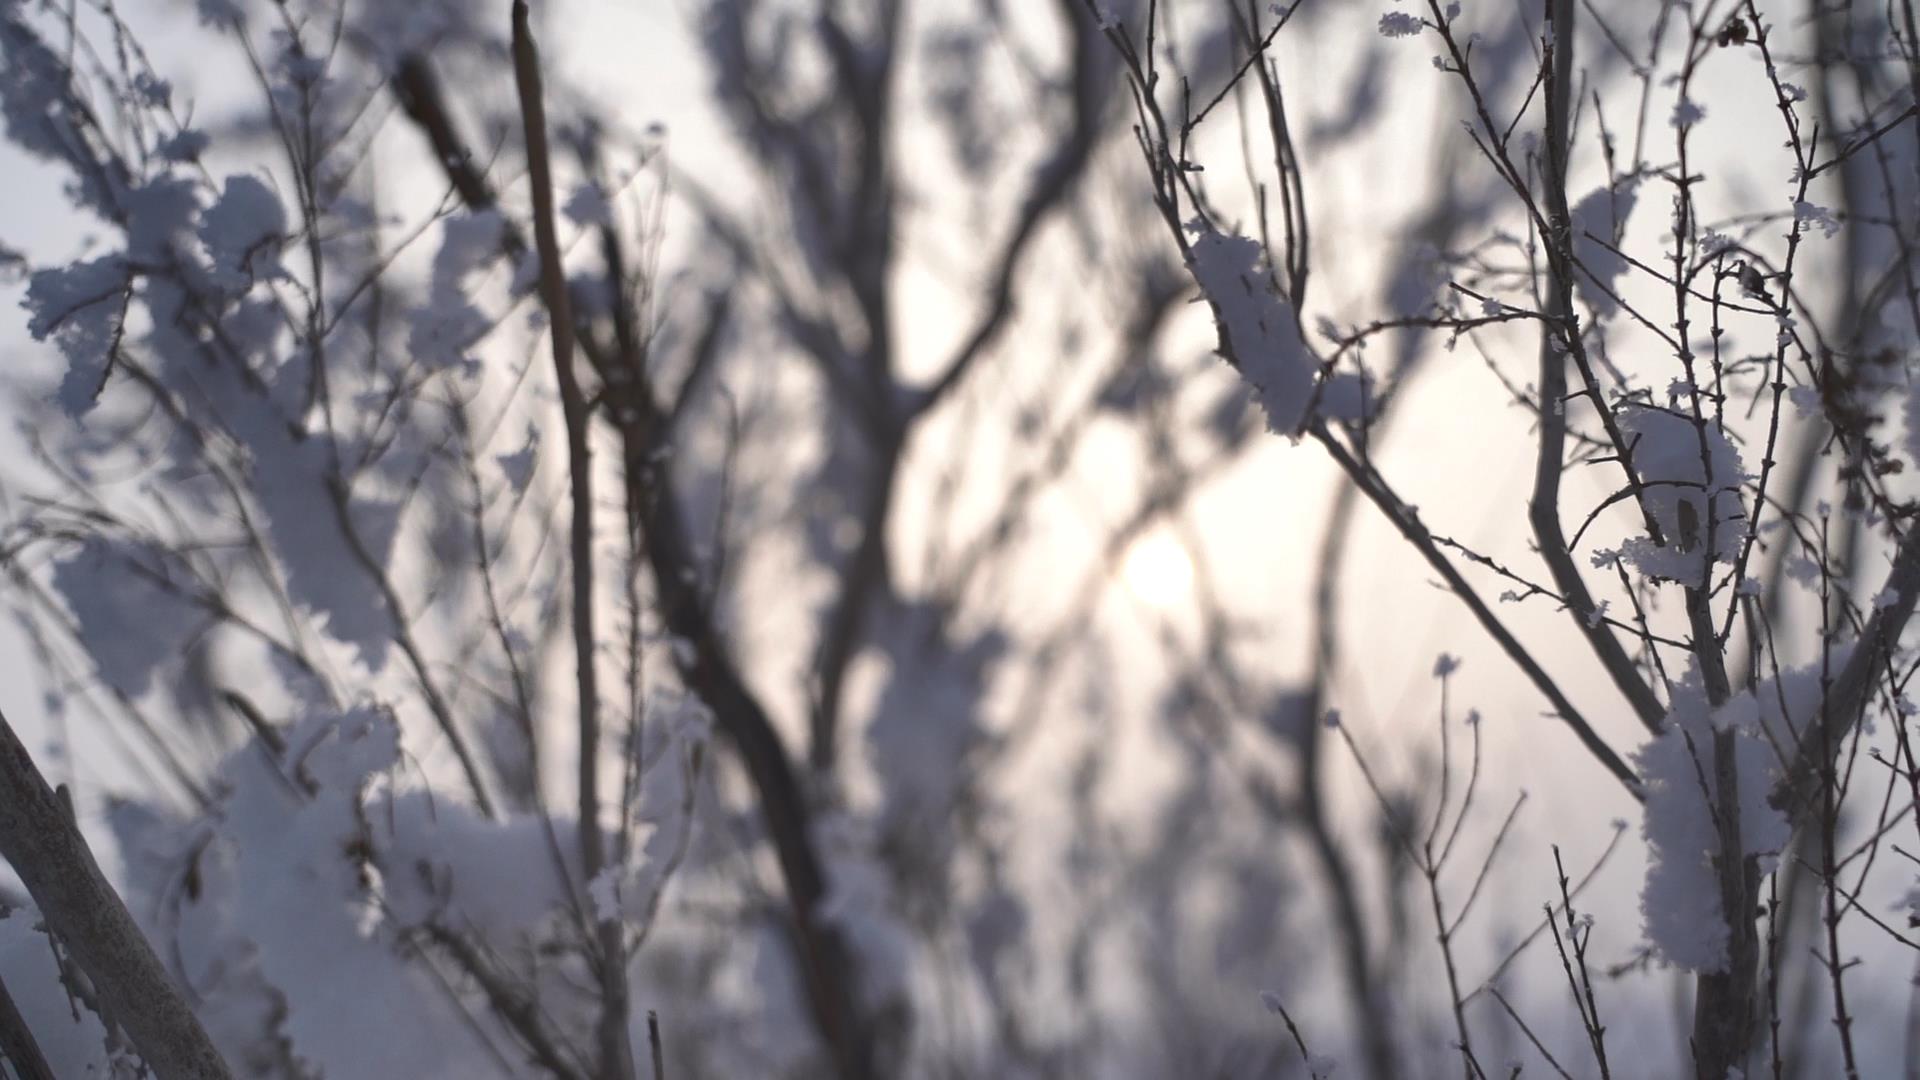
(1527, 1030)
(1579, 887)
(1365, 1001)
(1543, 509)
(1583, 995)
(93, 154)
(1293, 1029)
(1830, 796)
(515, 1006)
(1773, 974)
(710, 674)
(403, 639)
(1724, 1000)
(1796, 795)
(616, 1050)
(1493, 147)
(1803, 794)
(1444, 935)
(40, 841)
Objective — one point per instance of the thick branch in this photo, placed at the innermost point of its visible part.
(1852, 687)
(44, 847)
(1543, 510)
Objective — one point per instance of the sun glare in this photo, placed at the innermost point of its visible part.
(1158, 571)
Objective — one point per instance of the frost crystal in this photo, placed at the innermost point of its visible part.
(1713, 243)
(1806, 213)
(1399, 24)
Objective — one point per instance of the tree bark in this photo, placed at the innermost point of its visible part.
(81, 909)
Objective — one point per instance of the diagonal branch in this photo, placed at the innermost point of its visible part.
(39, 839)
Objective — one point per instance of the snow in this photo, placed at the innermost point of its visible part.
(79, 307)
(449, 322)
(517, 467)
(1680, 901)
(130, 623)
(242, 230)
(1399, 24)
(324, 574)
(1603, 214)
(1667, 458)
(1806, 213)
(1260, 328)
(316, 877)
(588, 206)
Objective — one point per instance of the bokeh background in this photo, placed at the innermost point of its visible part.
(1077, 783)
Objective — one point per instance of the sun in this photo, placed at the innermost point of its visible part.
(1158, 571)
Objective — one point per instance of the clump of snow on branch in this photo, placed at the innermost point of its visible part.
(318, 869)
(129, 611)
(1260, 329)
(242, 232)
(79, 307)
(1398, 24)
(1671, 456)
(517, 466)
(281, 908)
(1680, 902)
(1599, 221)
(449, 323)
(324, 548)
